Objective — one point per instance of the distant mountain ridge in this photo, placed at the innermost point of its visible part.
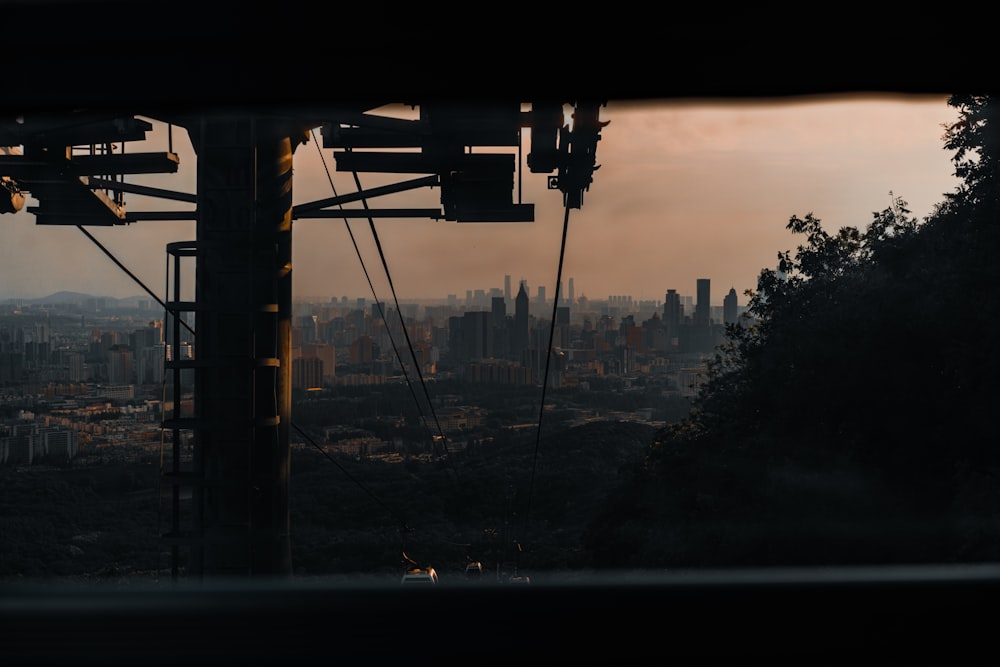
(66, 296)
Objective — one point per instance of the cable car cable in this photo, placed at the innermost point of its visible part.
(305, 435)
(399, 311)
(378, 301)
(545, 379)
(130, 274)
(294, 425)
(413, 354)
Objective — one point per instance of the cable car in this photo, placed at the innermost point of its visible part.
(420, 576)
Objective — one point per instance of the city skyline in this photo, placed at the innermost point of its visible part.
(478, 296)
(686, 190)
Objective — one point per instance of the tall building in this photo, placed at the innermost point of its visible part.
(309, 327)
(325, 353)
(506, 288)
(703, 306)
(501, 341)
(730, 307)
(477, 334)
(701, 331)
(77, 367)
(149, 364)
(572, 293)
(307, 373)
(120, 365)
(562, 330)
(362, 350)
(519, 336)
(672, 316)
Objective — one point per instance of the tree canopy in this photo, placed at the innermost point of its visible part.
(861, 384)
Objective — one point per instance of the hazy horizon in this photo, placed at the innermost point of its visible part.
(686, 190)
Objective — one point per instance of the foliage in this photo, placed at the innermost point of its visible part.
(848, 418)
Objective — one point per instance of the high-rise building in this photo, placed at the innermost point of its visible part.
(701, 332)
(730, 307)
(572, 293)
(672, 315)
(477, 334)
(562, 330)
(325, 353)
(501, 341)
(120, 365)
(77, 367)
(362, 350)
(307, 373)
(506, 288)
(519, 336)
(703, 306)
(149, 366)
(309, 327)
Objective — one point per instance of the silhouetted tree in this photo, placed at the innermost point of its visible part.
(848, 416)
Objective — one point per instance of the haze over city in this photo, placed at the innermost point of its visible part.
(686, 190)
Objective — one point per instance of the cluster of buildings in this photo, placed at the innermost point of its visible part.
(98, 368)
(501, 337)
(27, 442)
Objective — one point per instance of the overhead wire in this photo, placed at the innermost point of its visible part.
(364, 268)
(548, 357)
(378, 302)
(141, 284)
(399, 311)
(163, 387)
(180, 320)
(402, 521)
(385, 266)
(402, 322)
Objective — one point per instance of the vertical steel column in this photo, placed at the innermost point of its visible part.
(180, 422)
(243, 346)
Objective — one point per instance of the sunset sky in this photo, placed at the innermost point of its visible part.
(686, 190)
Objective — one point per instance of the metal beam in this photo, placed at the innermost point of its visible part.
(126, 163)
(422, 163)
(432, 213)
(141, 216)
(105, 184)
(400, 126)
(427, 181)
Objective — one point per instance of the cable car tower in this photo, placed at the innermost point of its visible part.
(75, 165)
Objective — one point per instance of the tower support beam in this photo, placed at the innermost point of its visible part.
(242, 394)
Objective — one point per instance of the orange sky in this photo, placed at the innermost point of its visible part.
(685, 191)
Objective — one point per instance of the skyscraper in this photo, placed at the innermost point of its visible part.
(729, 307)
(562, 327)
(672, 315)
(519, 337)
(501, 341)
(572, 293)
(702, 330)
(477, 334)
(703, 306)
(506, 288)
